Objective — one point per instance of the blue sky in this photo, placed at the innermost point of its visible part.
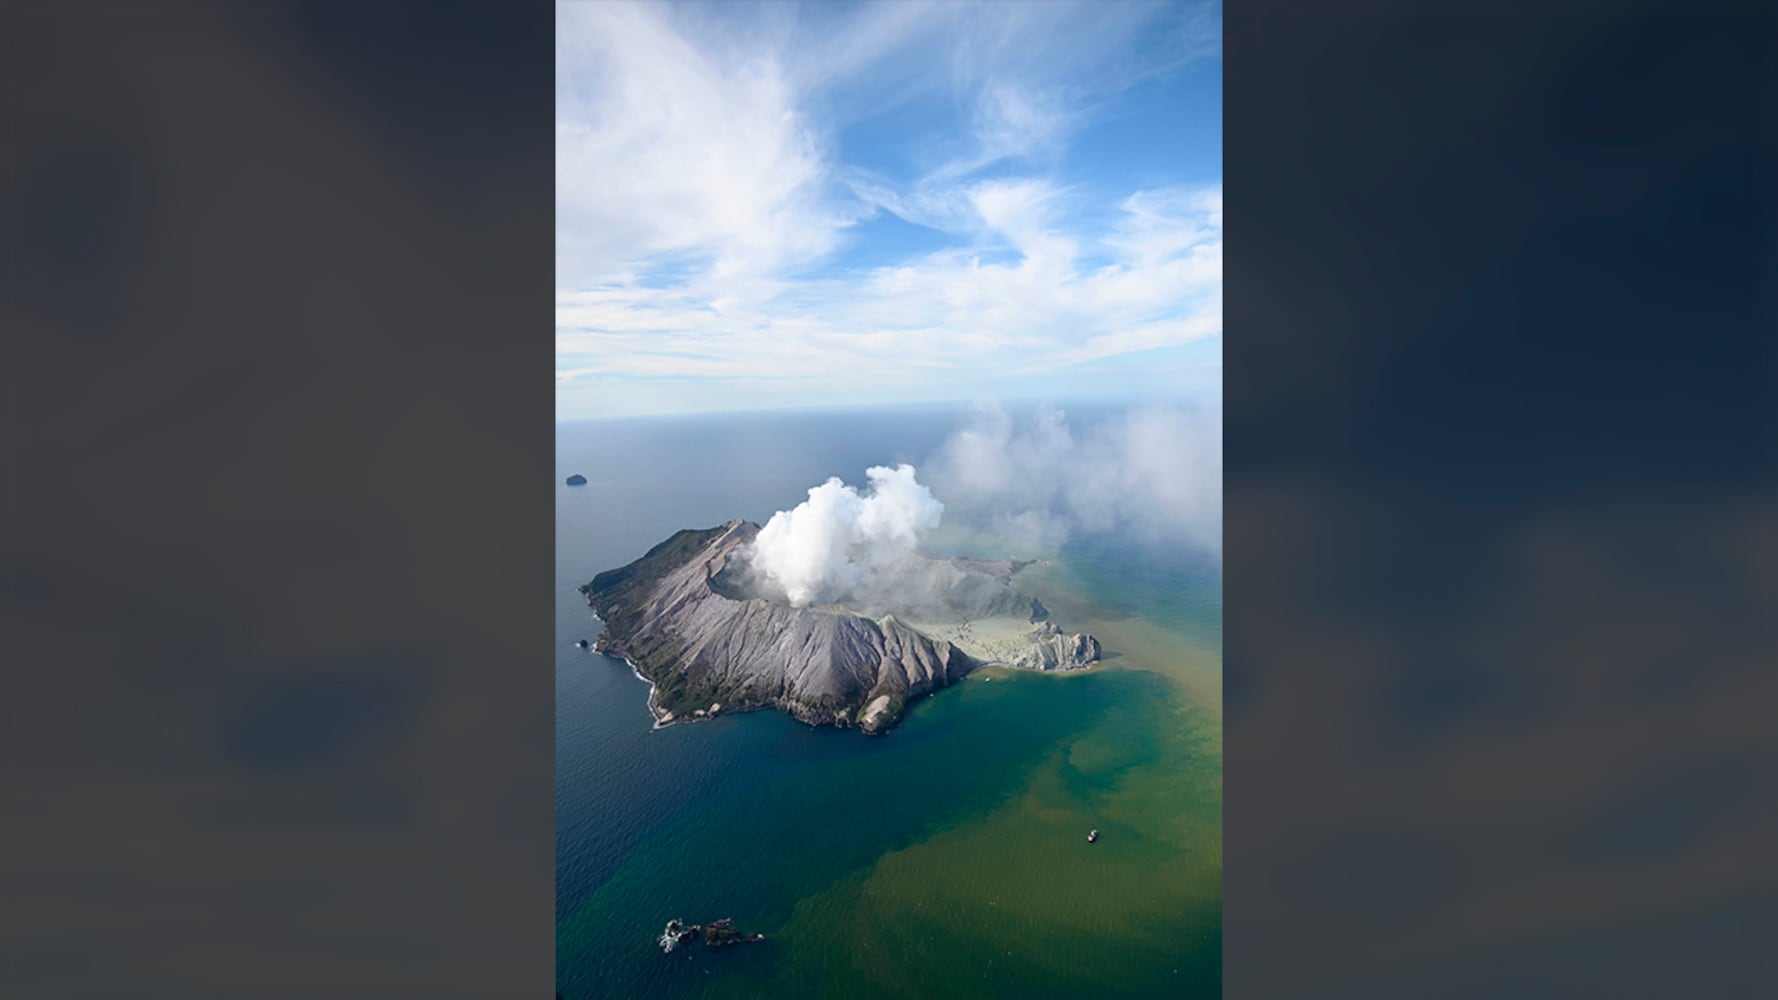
(781, 205)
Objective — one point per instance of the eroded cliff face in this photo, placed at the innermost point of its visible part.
(708, 646)
(1056, 650)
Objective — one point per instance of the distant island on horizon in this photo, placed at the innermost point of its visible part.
(690, 620)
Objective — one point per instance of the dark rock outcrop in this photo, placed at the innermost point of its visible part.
(717, 934)
(576, 480)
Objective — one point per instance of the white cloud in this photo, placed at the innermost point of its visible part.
(1039, 311)
(698, 179)
(1016, 209)
(662, 149)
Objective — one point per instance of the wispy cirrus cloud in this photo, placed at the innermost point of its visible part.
(748, 197)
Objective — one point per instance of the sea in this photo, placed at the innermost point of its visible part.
(947, 858)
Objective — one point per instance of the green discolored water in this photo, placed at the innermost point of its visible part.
(945, 859)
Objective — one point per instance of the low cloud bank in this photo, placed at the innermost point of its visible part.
(1153, 474)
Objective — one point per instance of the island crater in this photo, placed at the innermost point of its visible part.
(692, 619)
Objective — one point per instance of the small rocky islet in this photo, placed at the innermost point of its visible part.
(717, 934)
(682, 618)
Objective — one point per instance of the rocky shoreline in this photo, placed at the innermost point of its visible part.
(661, 718)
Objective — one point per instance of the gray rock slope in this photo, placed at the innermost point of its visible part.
(709, 651)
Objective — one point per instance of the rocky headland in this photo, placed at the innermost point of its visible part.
(687, 621)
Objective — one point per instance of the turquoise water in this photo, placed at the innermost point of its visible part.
(944, 859)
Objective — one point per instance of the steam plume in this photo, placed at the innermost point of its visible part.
(1153, 473)
(839, 543)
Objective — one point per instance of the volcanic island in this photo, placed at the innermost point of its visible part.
(689, 621)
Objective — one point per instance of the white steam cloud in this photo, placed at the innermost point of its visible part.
(1154, 474)
(1022, 488)
(839, 543)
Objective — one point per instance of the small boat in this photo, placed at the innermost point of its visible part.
(582, 644)
(1092, 836)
